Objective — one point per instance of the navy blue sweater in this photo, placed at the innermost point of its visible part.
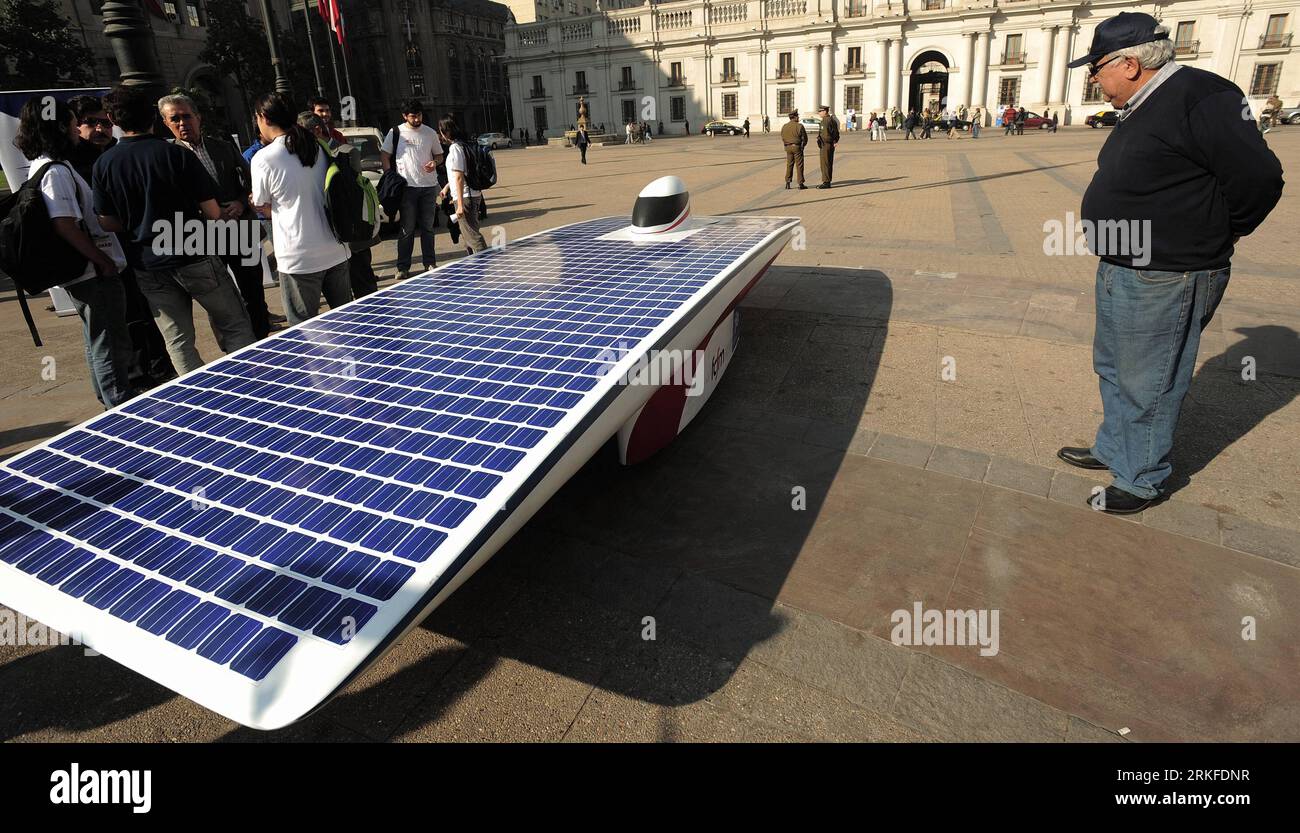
(1189, 160)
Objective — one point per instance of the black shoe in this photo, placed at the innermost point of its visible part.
(1081, 458)
(803, 187)
(824, 185)
(1116, 501)
(787, 186)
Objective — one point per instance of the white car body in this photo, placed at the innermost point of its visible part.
(495, 140)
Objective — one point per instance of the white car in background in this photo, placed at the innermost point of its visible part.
(495, 140)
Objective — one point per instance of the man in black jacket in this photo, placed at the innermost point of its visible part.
(1184, 175)
(230, 171)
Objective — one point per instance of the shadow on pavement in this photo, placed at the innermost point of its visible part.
(1225, 409)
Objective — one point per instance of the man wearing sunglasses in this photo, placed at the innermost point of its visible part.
(1182, 178)
(96, 130)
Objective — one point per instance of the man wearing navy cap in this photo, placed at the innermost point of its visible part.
(1184, 176)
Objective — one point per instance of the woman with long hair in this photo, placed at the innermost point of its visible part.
(289, 185)
(97, 294)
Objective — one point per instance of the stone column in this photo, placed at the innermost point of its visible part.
(1045, 63)
(1226, 52)
(1060, 72)
(980, 78)
(828, 76)
(813, 75)
(967, 68)
(895, 73)
(882, 75)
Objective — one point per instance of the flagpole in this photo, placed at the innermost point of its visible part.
(311, 47)
(329, 42)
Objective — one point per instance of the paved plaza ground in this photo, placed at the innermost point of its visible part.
(774, 623)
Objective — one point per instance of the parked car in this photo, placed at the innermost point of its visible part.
(1289, 115)
(943, 125)
(725, 128)
(1102, 118)
(810, 123)
(495, 140)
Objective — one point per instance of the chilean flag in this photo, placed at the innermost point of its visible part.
(333, 16)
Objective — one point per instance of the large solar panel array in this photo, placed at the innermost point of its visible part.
(287, 492)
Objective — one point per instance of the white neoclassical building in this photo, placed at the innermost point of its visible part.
(686, 62)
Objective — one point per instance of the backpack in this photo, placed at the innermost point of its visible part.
(351, 202)
(31, 252)
(480, 167)
(391, 185)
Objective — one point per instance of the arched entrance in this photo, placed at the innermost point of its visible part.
(929, 87)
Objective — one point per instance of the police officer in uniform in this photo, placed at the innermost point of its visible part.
(827, 137)
(794, 137)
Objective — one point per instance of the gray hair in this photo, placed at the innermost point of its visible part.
(1152, 55)
(179, 100)
(310, 120)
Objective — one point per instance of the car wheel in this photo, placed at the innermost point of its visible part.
(1093, 125)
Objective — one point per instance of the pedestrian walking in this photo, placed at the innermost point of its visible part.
(1020, 121)
(468, 200)
(1154, 299)
(746, 126)
(795, 139)
(97, 293)
(976, 122)
(414, 148)
(828, 136)
(910, 124)
(289, 184)
(767, 125)
(582, 141)
(143, 186)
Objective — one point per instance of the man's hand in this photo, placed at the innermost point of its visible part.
(430, 166)
(104, 265)
(232, 211)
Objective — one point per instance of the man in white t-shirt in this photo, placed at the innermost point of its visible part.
(415, 148)
(289, 182)
(97, 293)
(468, 201)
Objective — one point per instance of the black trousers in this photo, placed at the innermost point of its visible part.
(150, 364)
(360, 273)
(248, 277)
(583, 149)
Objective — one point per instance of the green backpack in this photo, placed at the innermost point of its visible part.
(351, 202)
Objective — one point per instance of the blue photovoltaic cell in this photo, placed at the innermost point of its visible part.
(288, 492)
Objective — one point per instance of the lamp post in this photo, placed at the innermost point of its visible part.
(133, 46)
(282, 84)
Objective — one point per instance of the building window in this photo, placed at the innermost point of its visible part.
(1184, 32)
(1092, 92)
(625, 81)
(1264, 81)
(728, 69)
(853, 97)
(784, 101)
(854, 63)
(580, 83)
(677, 79)
(169, 9)
(677, 108)
(729, 105)
(1013, 51)
(537, 91)
(539, 121)
(629, 110)
(785, 65)
(1274, 35)
(1009, 91)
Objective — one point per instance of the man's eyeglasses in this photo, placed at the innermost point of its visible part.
(1093, 69)
(97, 122)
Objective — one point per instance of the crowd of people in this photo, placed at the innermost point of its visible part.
(123, 201)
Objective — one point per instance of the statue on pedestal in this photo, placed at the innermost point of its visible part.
(583, 121)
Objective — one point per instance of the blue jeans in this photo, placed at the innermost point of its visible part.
(419, 208)
(1149, 327)
(101, 304)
